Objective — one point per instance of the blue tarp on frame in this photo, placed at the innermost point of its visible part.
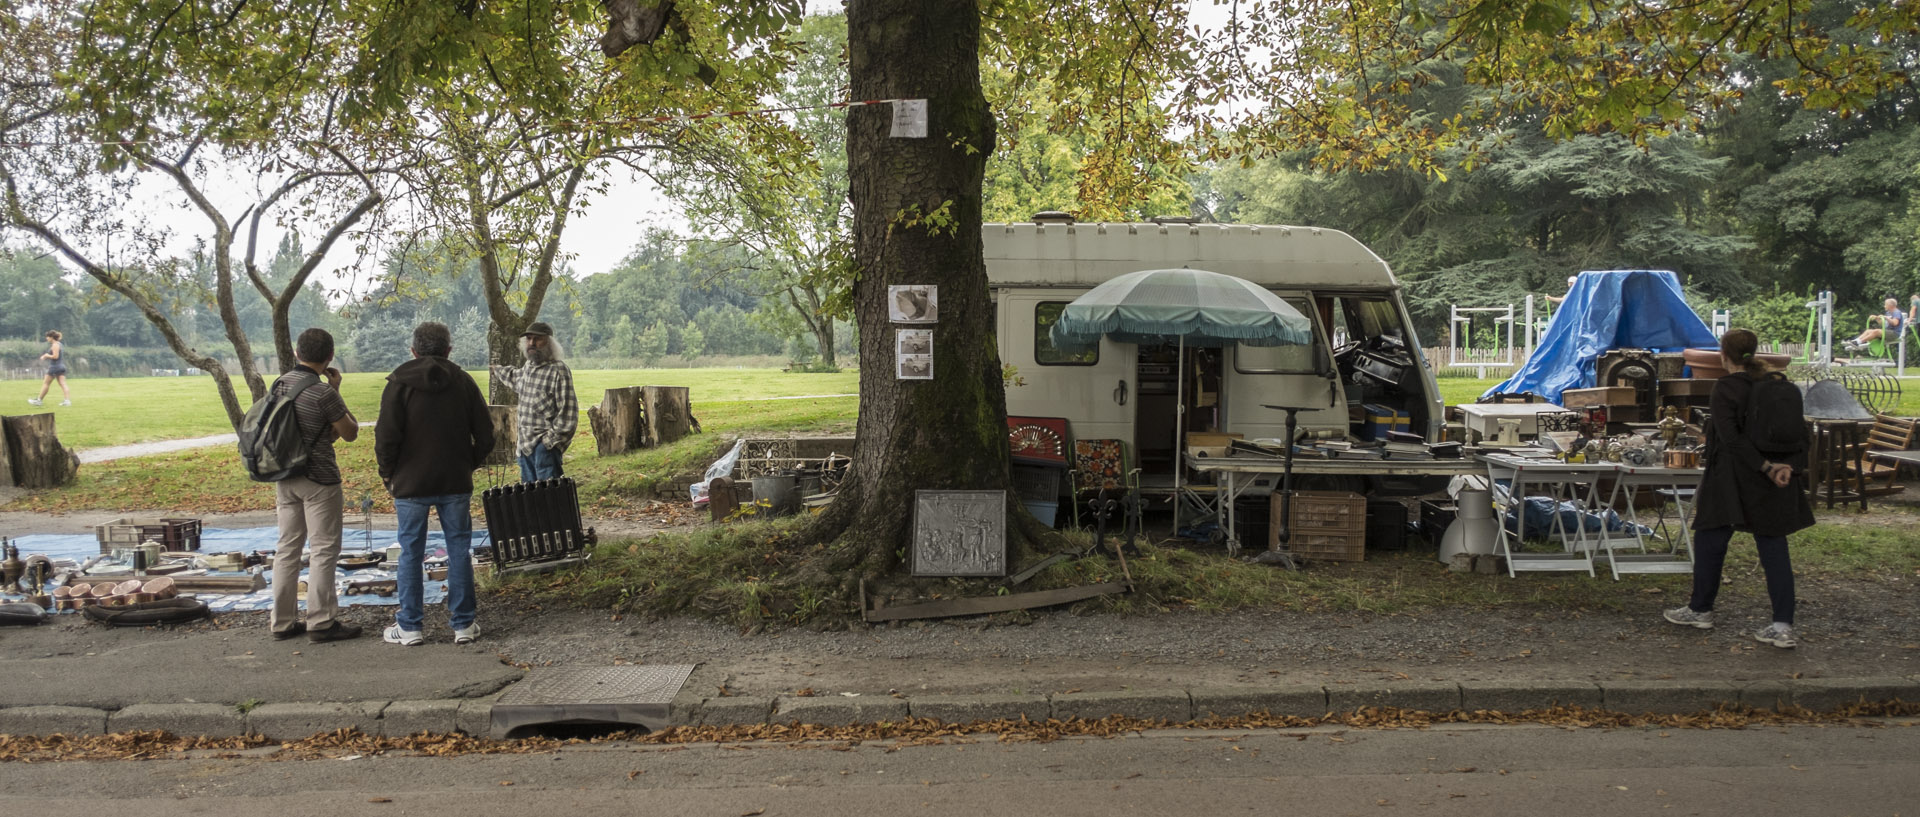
(1612, 309)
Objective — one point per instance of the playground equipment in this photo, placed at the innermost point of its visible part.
(1722, 321)
(1461, 352)
(1819, 348)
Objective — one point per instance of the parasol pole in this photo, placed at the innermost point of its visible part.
(1179, 427)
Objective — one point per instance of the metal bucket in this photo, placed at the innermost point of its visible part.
(776, 495)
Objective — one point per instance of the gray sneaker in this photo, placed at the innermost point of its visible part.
(1777, 634)
(1686, 617)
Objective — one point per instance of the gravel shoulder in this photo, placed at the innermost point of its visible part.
(1852, 629)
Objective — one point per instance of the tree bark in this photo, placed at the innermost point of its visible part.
(619, 422)
(948, 432)
(38, 459)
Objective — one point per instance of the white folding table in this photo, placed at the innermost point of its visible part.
(1575, 482)
(1682, 481)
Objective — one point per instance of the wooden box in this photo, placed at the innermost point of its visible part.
(1604, 396)
(1686, 388)
(128, 531)
(1212, 438)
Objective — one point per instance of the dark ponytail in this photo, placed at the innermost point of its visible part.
(1740, 346)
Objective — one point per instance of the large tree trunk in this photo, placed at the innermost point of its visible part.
(35, 454)
(948, 432)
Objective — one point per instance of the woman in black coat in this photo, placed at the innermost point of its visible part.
(1745, 491)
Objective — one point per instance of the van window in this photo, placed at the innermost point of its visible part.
(1045, 314)
(1278, 359)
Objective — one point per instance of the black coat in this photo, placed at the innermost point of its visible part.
(433, 431)
(1735, 490)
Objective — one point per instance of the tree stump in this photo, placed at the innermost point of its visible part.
(6, 463)
(619, 422)
(38, 458)
(506, 444)
(669, 413)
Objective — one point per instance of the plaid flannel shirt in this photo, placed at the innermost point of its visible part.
(548, 412)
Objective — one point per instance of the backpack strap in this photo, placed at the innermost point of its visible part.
(294, 400)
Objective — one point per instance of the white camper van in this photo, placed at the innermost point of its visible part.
(1365, 356)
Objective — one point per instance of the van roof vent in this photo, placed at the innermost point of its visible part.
(1052, 217)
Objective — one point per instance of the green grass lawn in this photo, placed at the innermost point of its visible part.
(119, 410)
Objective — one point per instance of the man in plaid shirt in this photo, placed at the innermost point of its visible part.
(548, 413)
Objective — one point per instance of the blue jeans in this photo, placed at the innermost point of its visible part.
(543, 463)
(456, 521)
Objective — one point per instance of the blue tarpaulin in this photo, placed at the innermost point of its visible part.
(1613, 309)
(80, 547)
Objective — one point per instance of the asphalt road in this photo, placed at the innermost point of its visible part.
(1519, 770)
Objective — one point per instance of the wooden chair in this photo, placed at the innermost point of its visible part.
(1889, 433)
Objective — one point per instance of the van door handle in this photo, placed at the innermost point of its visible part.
(1120, 392)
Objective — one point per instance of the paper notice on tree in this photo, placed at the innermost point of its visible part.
(910, 119)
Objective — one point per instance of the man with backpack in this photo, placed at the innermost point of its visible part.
(309, 500)
(433, 431)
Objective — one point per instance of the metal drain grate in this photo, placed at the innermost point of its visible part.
(552, 696)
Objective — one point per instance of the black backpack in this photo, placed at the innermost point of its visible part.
(1776, 417)
(271, 446)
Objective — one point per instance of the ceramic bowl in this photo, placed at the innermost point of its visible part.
(160, 588)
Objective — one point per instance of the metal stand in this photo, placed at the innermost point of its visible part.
(1284, 533)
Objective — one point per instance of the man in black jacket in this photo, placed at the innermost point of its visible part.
(433, 431)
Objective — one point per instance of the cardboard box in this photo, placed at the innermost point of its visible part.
(1208, 450)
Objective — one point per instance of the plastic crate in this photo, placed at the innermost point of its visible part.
(1336, 511)
(129, 531)
(1326, 526)
(1329, 547)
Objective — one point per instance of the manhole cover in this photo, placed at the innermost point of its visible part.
(552, 696)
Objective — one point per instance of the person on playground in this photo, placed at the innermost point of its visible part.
(1743, 490)
(1891, 322)
(433, 431)
(548, 413)
(56, 358)
(1557, 299)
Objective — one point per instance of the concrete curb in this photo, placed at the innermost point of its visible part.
(53, 720)
(1158, 704)
(211, 720)
(839, 711)
(298, 720)
(970, 708)
(292, 720)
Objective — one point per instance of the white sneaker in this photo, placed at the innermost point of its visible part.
(33, 402)
(1686, 617)
(467, 635)
(66, 402)
(1777, 634)
(405, 638)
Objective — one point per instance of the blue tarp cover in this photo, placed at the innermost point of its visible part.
(80, 547)
(1613, 309)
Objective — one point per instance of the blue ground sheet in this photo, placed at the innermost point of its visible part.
(81, 547)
